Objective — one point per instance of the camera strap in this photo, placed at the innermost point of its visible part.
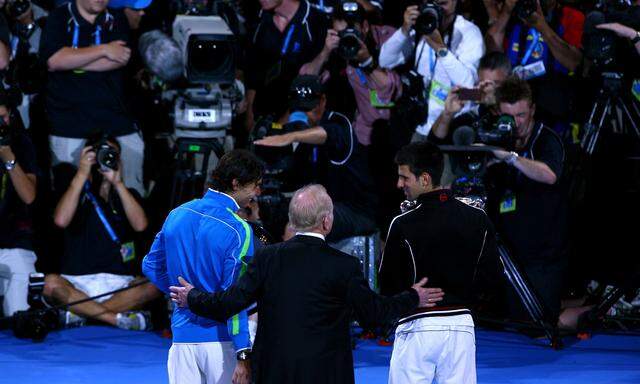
(100, 212)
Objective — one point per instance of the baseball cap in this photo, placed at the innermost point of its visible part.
(134, 4)
(305, 92)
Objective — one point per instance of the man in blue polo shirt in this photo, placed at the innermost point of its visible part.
(207, 243)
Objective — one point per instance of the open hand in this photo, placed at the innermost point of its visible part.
(179, 295)
(275, 141)
(428, 296)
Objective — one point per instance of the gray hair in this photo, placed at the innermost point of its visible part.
(161, 54)
(308, 207)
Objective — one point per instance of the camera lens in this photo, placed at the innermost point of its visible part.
(429, 19)
(208, 57)
(349, 44)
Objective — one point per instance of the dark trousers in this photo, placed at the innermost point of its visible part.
(349, 221)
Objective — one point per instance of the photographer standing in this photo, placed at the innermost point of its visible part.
(289, 34)
(17, 193)
(525, 200)
(358, 43)
(86, 46)
(543, 41)
(446, 57)
(100, 217)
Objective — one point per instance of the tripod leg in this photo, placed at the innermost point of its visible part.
(528, 297)
(625, 109)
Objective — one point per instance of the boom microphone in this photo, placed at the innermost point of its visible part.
(161, 55)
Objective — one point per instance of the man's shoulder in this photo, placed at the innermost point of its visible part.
(466, 27)
(407, 217)
(548, 138)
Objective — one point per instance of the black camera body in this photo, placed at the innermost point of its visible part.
(349, 45)
(106, 155)
(430, 18)
(36, 322)
(496, 131)
(525, 8)
(603, 47)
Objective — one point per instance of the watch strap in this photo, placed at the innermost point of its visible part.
(636, 39)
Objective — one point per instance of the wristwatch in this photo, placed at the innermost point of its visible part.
(9, 165)
(511, 158)
(442, 52)
(243, 355)
(636, 39)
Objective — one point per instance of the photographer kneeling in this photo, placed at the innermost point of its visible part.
(525, 200)
(348, 179)
(100, 217)
(17, 193)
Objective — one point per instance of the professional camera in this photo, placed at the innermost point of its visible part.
(350, 37)
(499, 132)
(106, 155)
(349, 43)
(431, 15)
(601, 46)
(525, 8)
(36, 322)
(5, 133)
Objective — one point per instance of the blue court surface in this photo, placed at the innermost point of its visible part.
(106, 355)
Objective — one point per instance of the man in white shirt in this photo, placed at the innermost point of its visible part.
(447, 57)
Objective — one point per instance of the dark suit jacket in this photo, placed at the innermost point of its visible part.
(306, 292)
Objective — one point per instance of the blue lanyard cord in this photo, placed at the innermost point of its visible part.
(14, 46)
(534, 43)
(287, 40)
(363, 78)
(101, 214)
(98, 38)
(76, 35)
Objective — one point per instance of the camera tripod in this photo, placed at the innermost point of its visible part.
(192, 165)
(614, 108)
(528, 297)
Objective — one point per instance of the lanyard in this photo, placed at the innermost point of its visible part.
(363, 78)
(14, 46)
(101, 214)
(432, 60)
(287, 40)
(536, 39)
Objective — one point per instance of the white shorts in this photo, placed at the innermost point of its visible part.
(98, 283)
(201, 363)
(434, 349)
(15, 266)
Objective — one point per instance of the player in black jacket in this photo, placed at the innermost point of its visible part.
(454, 244)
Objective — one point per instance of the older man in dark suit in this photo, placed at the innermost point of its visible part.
(306, 292)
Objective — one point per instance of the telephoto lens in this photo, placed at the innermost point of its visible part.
(349, 43)
(429, 19)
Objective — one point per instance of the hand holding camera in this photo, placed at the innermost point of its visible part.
(87, 160)
(410, 16)
(332, 41)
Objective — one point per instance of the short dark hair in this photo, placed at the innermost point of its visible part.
(512, 90)
(240, 165)
(422, 157)
(495, 60)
